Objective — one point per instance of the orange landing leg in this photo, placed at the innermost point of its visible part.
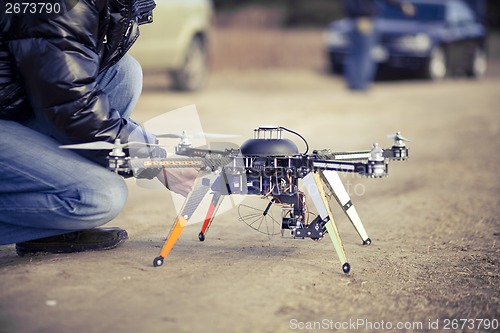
(169, 243)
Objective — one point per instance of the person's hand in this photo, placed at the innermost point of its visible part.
(151, 152)
(178, 180)
(408, 9)
(364, 25)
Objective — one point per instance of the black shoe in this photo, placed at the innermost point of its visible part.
(85, 240)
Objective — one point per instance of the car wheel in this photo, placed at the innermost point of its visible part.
(192, 74)
(478, 65)
(437, 65)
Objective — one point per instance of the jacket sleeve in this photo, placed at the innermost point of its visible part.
(58, 64)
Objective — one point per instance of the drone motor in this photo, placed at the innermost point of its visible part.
(399, 149)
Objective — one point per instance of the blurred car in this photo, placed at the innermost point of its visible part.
(441, 37)
(177, 42)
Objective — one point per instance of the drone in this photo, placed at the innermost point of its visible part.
(270, 166)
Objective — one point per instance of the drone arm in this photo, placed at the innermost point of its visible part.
(199, 163)
(326, 154)
(393, 153)
(376, 168)
(341, 166)
(200, 152)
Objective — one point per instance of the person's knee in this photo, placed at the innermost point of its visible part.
(131, 72)
(123, 85)
(115, 194)
(97, 203)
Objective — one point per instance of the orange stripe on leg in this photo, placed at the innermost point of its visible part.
(174, 235)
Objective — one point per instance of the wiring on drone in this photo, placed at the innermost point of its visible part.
(305, 214)
(300, 136)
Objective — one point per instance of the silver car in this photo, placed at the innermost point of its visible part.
(177, 42)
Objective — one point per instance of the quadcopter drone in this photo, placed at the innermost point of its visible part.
(269, 166)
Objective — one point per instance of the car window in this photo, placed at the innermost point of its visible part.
(459, 13)
(424, 12)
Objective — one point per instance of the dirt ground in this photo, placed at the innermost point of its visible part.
(434, 222)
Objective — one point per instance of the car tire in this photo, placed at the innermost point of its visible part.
(437, 66)
(478, 65)
(193, 72)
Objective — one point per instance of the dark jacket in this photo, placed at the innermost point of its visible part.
(49, 64)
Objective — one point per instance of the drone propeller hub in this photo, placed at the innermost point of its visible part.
(117, 150)
(377, 153)
(185, 139)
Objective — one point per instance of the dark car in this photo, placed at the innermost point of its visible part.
(441, 37)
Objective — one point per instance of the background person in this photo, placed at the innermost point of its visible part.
(360, 65)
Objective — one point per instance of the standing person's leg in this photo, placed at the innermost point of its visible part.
(370, 62)
(351, 68)
(45, 190)
(359, 67)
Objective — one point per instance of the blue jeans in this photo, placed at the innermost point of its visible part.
(360, 67)
(45, 190)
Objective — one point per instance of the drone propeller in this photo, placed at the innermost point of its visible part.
(397, 137)
(104, 145)
(185, 135)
